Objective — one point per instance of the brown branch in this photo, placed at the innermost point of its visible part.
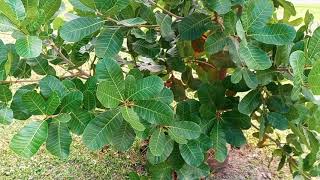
(205, 63)
(36, 80)
(164, 10)
(66, 60)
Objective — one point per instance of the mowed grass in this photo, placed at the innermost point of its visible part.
(82, 163)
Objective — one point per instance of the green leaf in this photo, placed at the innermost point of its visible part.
(218, 138)
(192, 153)
(50, 7)
(254, 57)
(5, 94)
(59, 140)
(185, 129)
(132, 118)
(147, 88)
(219, 6)
(29, 46)
(237, 119)
(188, 172)
(297, 62)
(193, 26)
(29, 139)
(313, 79)
(168, 148)
(257, 13)
(6, 25)
(89, 100)
(277, 34)
(62, 118)
(123, 138)
(99, 131)
(250, 78)
(236, 76)
(50, 84)
(157, 142)
(34, 102)
(109, 43)
(110, 91)
(166, 96)
(6, 10)
(234, 136)
(6, 116)
(77, 29)
(18, 8)
(52, 103)
(71, 101)
(215, 43)
(250, 102)
(79, 120)
(165, 23)
(187, 110)
(155, 112)
(278, 120)
(314, 45)
(146, 49)
(132, 22)
(111, 7)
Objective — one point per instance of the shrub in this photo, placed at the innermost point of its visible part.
(185, 76)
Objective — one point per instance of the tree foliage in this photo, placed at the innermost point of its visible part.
(187, 76)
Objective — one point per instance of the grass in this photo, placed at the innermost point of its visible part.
(82, 164)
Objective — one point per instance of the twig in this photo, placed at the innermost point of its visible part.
(66, 60)
(164, 10)
(269, 137)
(205, 63)
(35, 80)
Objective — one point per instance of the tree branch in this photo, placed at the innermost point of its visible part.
(164, 10)
(66, 60)
(35, 80)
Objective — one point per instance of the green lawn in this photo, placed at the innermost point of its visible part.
(82, 163)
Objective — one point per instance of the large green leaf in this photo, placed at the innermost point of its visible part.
(34, 102)
(110, 91)
(146, 49)
(188, 172)
(192, 153)
(123, 138)
(250, 78)
(157, 142)
(6, 116)
(29, 46)
(278, 120)
(155, 112)
(314, 45)
(111, 7)
(218, 138)
(50, 7)
(132, 118)
(77, 29)
(59, 140)
(18, 8)
(166, 96)
(50, 84)
(297, 62)
(193, 26)
(215, 43)
(237, 119)
(79, 120)
(219, 6)
(147, 88)
(5, 94)
(52, 103)
(250, 102)
(168, 148)
(100, 130)
(71, 101)
(7, 11)
(165, 23)
(185, 129)
(234, 136)
(29, 139)
(254, 57)
(31, 7)
(277, 34)
(109, 43)
(313, 79)
(257, 13)
(6, 25)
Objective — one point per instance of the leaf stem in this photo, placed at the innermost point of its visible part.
(164, 10)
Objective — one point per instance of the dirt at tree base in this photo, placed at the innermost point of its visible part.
(250, 162)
